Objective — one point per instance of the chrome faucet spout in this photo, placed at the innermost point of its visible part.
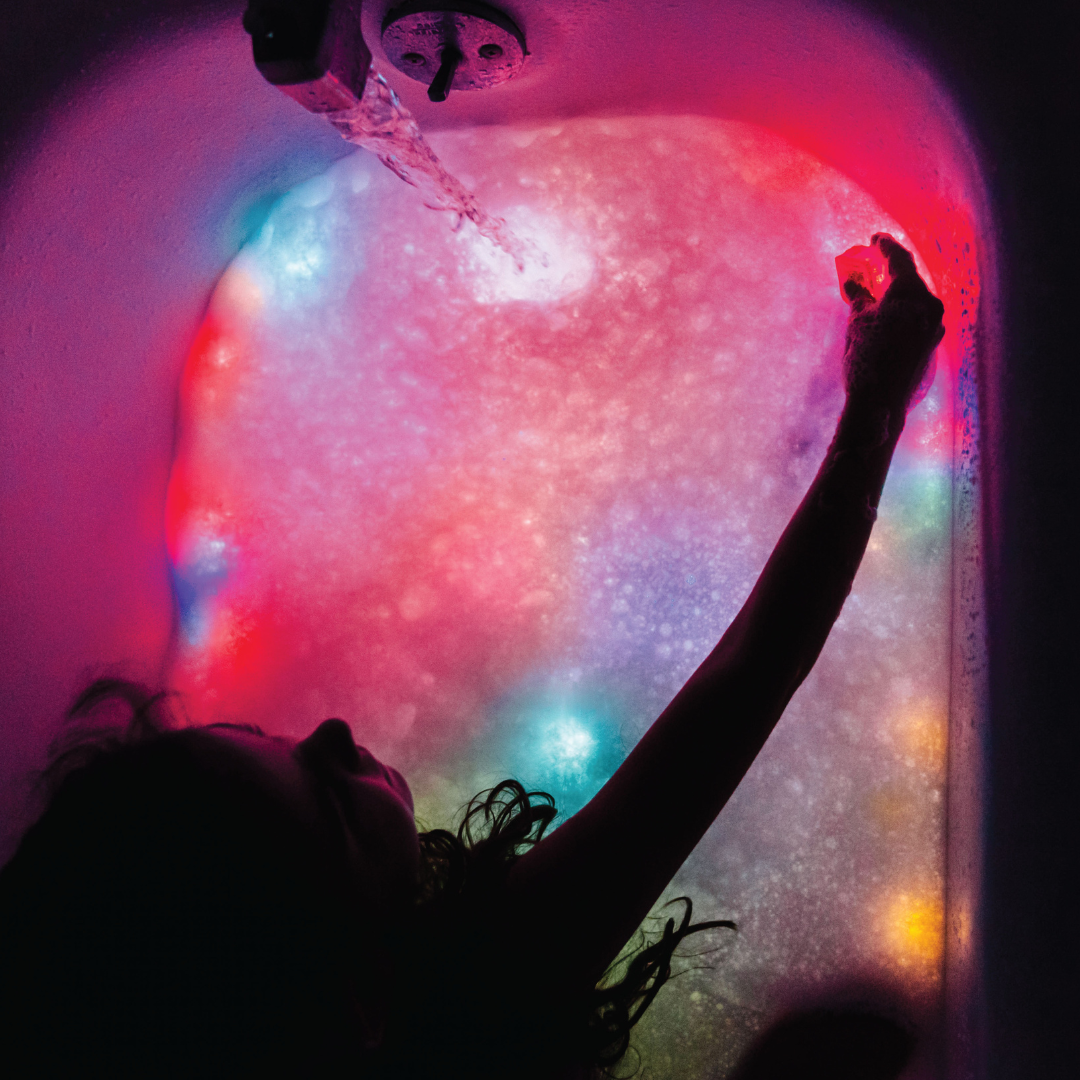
(312, 50)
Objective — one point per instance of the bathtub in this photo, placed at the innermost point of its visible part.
(134, 182)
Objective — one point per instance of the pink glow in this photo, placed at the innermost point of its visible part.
(495, 520)
(493, 420)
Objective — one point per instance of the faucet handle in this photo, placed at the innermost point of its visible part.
(444, 77)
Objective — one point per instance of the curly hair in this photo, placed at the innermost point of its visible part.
(164, 917)
(462, 1004)
(462, 871)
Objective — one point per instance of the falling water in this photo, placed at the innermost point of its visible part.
(380, 123)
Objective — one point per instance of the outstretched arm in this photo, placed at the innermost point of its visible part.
(592, 881)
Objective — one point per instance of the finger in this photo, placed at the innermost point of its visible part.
(858, 295)
(901, 261)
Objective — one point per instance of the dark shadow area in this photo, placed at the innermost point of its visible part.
(830, 1043)
(1012, 69)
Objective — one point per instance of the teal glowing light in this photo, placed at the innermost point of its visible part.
(568, 750)
(299, 258)
(564, 740)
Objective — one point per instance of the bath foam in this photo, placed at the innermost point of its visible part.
(495, 519)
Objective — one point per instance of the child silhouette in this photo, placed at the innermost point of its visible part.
(216, 902)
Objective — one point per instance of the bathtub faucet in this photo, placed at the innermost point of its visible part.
(311, 50)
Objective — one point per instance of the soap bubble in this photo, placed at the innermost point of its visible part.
(558, 266)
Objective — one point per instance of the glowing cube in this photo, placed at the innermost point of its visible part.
(865, 266)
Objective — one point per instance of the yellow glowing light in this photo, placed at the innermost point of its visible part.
(913, 926)
(924, 734)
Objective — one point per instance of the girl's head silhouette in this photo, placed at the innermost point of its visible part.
(217, 902)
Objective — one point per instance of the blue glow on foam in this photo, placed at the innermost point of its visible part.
(196, 581)
(567, 741)
(568, 748)
(301, 255)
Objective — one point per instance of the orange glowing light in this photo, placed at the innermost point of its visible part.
(912, 928)
(238, 292)
(923, 734)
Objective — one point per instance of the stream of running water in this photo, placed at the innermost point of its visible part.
(381, 123)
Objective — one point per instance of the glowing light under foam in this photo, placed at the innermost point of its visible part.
(495, 520)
